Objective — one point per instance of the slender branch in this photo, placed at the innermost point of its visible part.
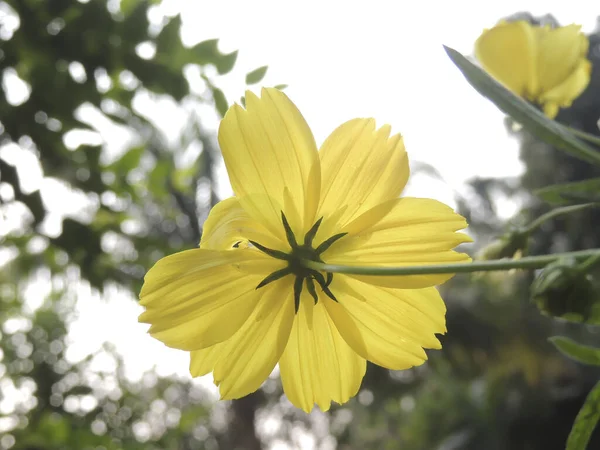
(555, 213)
(529, 262)
(589, 263)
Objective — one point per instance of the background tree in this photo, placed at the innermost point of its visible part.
(74, 74)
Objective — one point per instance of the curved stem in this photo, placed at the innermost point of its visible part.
(583, 135)
(529, 262)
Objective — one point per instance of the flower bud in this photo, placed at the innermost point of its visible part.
(563, 290)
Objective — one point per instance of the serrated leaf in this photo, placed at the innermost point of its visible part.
(220, 101)
(529, 117)
(578, 352)
(580, 191)
(256, 75)
(586, 421)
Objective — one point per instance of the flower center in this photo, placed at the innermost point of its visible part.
(295, 259)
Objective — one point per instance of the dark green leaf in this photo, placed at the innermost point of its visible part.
(587, 190)
(169, 37)
(256, 75)
(220, 101)
(580, 353)
(529, 117)
(586, 421)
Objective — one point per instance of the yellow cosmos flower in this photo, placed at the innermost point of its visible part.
(547, 66)
(243, 301)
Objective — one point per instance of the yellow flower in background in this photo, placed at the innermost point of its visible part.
(547, 66)
(243, 302)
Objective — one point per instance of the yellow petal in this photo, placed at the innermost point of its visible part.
(203, 361)
(198, 298)
(389, 327)
(361, 167)
(243, 362)
(414, 232)
(318, 366)
(269, 147)
(564, 93)
(229, 224)
(560, 52)
(508, 53)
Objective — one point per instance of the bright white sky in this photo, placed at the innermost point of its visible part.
(345, 59)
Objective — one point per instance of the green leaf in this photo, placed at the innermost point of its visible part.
(157, 179)
(529, 117)
(558, 194)
(586, 421)
(580, 353)
(169, 37)
(281, 87)
(207, 52)
(130, 160)
(256, 75)
(220, 101)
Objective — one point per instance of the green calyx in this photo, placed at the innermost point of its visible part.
(298, 254)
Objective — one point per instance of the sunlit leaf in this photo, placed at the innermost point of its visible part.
(256, 75)
(529, 117)
(586, 421)
(580, 353)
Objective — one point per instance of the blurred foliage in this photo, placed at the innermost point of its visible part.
(74, 76)
(97, 70)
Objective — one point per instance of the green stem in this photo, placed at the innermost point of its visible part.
(529, 262)
(583, 135)
(555, 213)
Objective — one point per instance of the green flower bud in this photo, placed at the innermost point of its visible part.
(564, 290)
